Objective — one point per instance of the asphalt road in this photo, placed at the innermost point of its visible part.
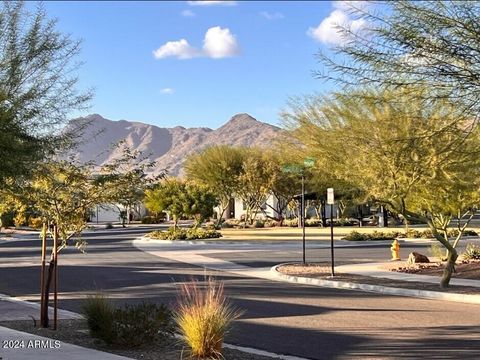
(305, 321)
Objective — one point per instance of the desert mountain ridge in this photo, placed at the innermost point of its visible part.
(168, 147)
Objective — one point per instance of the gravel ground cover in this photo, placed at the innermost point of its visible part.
(322, 271)
(76, 332)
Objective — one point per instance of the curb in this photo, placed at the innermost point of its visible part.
(424, 294)
(36, 306)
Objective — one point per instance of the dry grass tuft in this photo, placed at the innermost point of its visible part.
(204, 317)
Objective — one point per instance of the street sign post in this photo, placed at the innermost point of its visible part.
(331, 201)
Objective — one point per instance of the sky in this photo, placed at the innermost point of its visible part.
(196, 64)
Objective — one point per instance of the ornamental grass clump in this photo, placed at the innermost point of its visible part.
(203, 318)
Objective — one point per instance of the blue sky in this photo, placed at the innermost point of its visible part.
(238, 57)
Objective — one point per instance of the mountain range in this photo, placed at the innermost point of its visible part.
(168, 147)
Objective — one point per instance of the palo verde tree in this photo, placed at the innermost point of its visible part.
(408, 43)
(421, 162)
(37, 88)
(218, 168)
(128, 176)
(62, 194)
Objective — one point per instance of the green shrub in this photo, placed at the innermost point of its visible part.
(183, 234)
(291, 222)
(259, 224)
(130, 326)
(356, 236)
(203, 318)
(270, 223)
(108, 226)
(313, 222)
(151, 220)
(98, 310)
(376, 235)
(472, 252)
(141, 324)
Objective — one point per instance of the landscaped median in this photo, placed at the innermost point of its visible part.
(378, 278)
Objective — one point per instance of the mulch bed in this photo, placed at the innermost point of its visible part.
(322, 271)
(76, 332)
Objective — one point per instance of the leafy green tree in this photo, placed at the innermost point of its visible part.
(407, 42)
(37, 88)
(218, 168)
(421, 162)
(200, 202)
(168, 196)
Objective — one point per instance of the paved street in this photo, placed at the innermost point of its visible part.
(305, 321)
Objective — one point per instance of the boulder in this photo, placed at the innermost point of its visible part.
(415, 258)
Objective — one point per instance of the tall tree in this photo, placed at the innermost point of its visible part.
(37, 88)
(407, 42)
(218, 168)
(422, 162)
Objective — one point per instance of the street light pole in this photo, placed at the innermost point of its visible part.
(302, 217)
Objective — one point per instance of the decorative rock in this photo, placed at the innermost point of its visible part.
(415, 258)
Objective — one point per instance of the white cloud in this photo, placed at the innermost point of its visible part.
(167, 91)
(220, 43)
(328, 31)
(187, 13)
(346, 5)
(217, 43)
(180, 49)
(272, 16)
(212, 3)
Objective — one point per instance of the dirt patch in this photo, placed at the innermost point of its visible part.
(322, 271)
(466, 269)
(76, 332)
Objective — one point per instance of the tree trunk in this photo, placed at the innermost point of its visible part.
(46, 292)
(449, 268)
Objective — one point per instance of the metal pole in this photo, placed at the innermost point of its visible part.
(55, 277)
(42, 272)
(331, 240)
(303, 216)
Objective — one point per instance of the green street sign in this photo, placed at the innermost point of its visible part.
(292, 168)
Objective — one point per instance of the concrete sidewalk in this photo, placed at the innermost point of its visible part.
(17, 345)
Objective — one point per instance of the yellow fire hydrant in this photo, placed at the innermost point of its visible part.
(395, 249)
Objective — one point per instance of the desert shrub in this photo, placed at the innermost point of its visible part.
(469, 232)
(108, 226)
(259, 224)
(98, 310)
(376, 235)
(291, 222)
(184, 234)
(472, 252)
(427, 234)
(313, 222)
(270, 223)
(130, 326)
(203, 318)
(35, 223)
(141, 324)
(346, 222)
(356, 236)
(231, 223)
(151, 220)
